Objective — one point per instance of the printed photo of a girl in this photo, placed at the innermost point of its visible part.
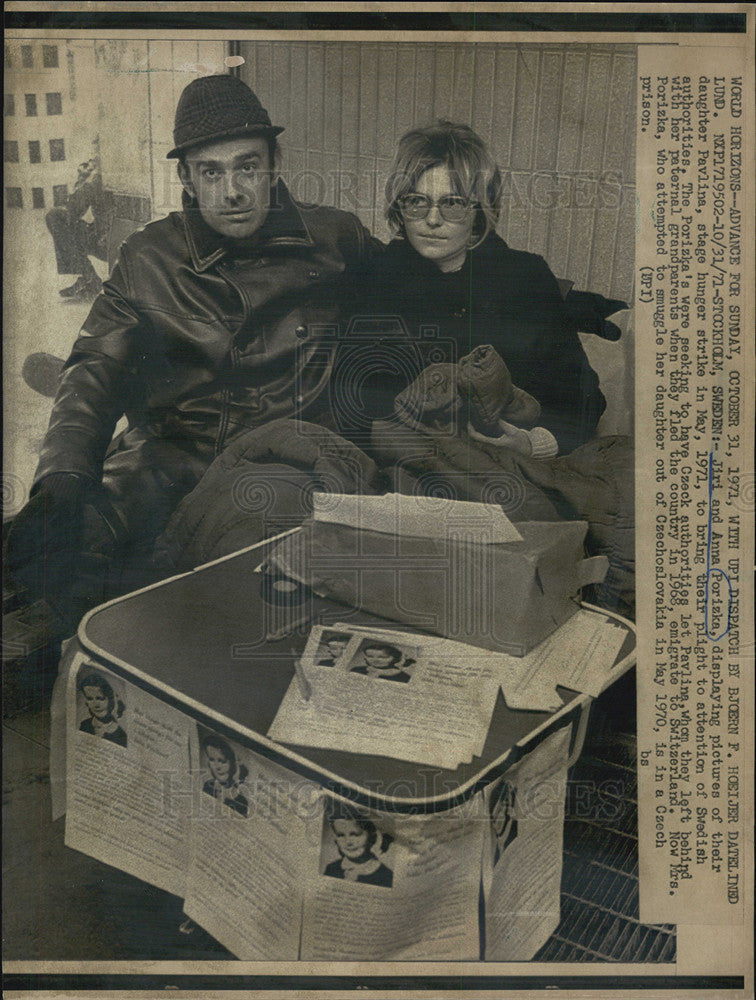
(361, 849)
(226, 775)
(105, 708)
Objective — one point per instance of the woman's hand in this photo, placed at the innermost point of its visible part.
(514, 438)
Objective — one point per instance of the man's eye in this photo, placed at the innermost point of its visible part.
(250, 168)
(210, 173)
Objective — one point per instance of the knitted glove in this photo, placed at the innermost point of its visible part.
(431, 402)
(483, 379)
(589, 312)
(44, 539)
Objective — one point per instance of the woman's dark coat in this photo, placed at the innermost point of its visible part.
(501, 296)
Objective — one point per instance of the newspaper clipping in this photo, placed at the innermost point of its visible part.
(692, 295)
(292, 297)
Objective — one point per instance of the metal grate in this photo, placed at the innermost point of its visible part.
(600, 878)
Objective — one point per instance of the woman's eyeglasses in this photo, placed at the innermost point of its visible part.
(452, 207)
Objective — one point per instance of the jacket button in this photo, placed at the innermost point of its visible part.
(301, 332)
(314, 274)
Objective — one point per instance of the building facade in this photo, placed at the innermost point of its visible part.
(40, 150)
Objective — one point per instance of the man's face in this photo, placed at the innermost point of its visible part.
(231, 181)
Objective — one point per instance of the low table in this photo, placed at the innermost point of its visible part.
(217, 647)
(199, 642)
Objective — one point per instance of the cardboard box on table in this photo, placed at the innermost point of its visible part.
(505, 596)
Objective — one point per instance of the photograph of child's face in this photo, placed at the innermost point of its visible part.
(328, 646)
(219, 764)
(224, 774)
(97, 701)
(336, 647)
(354, 849)
(380, 657)
(383, 660)
(351, 838)
(103, 707)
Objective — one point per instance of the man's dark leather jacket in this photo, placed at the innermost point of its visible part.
(197, 338)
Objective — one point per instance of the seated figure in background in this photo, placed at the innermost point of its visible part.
(75, 237)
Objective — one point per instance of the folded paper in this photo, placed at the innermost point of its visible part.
(416, 516)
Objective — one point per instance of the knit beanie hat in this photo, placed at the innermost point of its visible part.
(217, 107)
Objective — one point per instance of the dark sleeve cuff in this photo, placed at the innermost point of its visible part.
(65, 485)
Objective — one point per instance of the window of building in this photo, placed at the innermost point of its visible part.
(54, 104)
(57, 150)
(35, 151)
(38, 198)
(8, 57)
(27, 56)
(31, 104)
(10, 151)
(9, 105)
(14, 198)
(49, 56)
(60, 195)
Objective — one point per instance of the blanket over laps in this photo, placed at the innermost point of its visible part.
(594, 483)
(263, 484)
(259, 486)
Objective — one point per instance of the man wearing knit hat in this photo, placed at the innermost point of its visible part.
(207, 327)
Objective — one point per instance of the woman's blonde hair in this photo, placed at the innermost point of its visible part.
(474, 172)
